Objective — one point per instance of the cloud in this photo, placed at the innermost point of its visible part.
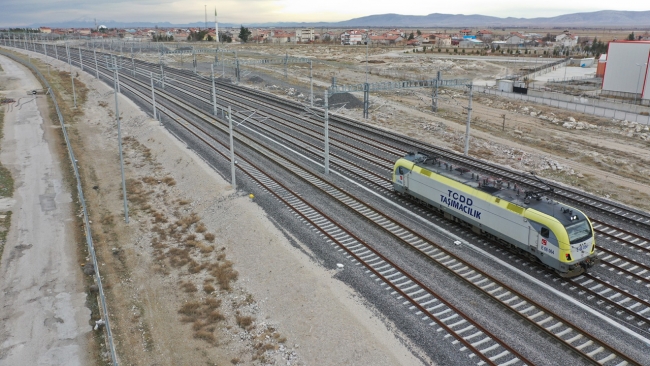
(24, 12)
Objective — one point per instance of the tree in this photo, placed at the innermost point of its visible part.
(411, 36)
(630, 37)
(244, 33)
(419, 32)
(197, 36)
(226, 38)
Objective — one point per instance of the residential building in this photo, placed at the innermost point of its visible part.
(305, 35)
(484, 34)
(45, 29)
(465, 32)
(351, 37)
(566, 40)
(515, 39)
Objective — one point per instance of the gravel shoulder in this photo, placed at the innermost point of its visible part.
(42, 306)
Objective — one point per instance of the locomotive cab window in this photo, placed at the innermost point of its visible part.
(545, 232)
(578, 232)
(402, 170)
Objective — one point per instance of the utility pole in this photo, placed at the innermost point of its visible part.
(115, 67)
(366, 99)
(367, 67)
(232, 151)
(162, 76)
(503, 127)
(153, 97)
(311, 85)
(214, 93)
(96, 68)
(326, 134)
(81, 60)
(434, 93)
(469, 119)
(74, 94)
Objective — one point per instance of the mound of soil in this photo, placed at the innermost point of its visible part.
(351, 102)
(255, 79)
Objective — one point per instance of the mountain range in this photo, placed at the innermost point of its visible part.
(597, 19)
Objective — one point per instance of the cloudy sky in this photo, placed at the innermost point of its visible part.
(25, 12)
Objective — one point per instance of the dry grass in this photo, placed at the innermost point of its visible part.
(208, 289)
(224, 274)
(209, 237)
(204, 248)
(244, 321)
(188, 287)
(200, 228)
(169, 181)
(203, 316)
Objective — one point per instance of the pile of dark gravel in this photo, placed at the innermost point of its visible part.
(351, 102)
(255, 79)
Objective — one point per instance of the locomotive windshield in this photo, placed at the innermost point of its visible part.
(580, 231)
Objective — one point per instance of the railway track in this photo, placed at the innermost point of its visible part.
(351, 127)
(570, 335)
(593, 350)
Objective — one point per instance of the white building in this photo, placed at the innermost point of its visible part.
(305, 35)
(626, 71)
(352, 37)
(566, 40)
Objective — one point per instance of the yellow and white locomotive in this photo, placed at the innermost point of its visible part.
(559, 236)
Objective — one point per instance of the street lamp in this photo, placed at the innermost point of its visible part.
(637, 81)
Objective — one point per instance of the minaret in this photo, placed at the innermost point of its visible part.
(216, 26)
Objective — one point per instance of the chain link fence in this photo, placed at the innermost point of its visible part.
(88, 233)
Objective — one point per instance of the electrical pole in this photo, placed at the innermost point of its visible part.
(214, 93)
(232, 151)
(96, 68)
(434, 92)
(326, 135)
(81, 60)
(153, 97)
(469, 119)
(311, 85)
(115, 67)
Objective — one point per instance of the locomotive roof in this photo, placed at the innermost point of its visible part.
(496, 187)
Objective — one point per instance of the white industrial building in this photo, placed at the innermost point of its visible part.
(626, 71)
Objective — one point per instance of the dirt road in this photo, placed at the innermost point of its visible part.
(42, 302)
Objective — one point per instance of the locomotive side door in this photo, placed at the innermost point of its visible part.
(533, 239)
(402, 177)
